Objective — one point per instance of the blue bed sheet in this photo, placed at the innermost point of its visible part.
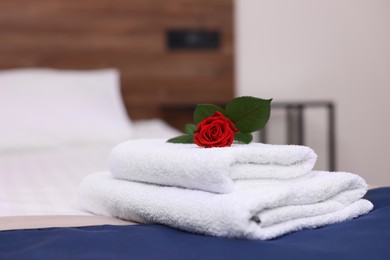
(367, 237)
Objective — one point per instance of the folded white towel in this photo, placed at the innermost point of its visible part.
(257, 209)
(211, 169)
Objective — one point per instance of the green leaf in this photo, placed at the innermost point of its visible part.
(245, 138)
(189, 129)
(182, 139)
(205, 110)
(249, 114)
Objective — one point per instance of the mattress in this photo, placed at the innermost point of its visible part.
(41, 182)
(45, 182)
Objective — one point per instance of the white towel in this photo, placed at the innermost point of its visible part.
(261, 209)
(208, 169)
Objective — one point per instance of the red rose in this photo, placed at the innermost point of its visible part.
(215, 131)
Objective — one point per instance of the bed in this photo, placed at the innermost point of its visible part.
(58, 126)
(39, 218)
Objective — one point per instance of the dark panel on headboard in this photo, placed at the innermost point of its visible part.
(129, 35)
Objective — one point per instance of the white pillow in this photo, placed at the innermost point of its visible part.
(46, 107)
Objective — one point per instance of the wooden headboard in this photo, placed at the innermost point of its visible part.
(129, 35)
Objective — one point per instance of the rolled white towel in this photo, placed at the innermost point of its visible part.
(208, 169)
(262, 209)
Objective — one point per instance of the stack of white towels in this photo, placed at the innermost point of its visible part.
(255, 191)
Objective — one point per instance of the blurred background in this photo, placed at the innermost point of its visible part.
(323, 50)
(173, 54)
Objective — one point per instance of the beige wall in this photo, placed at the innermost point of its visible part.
(336, 50)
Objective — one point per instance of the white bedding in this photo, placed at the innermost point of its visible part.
(44, 181)
(56, 127)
